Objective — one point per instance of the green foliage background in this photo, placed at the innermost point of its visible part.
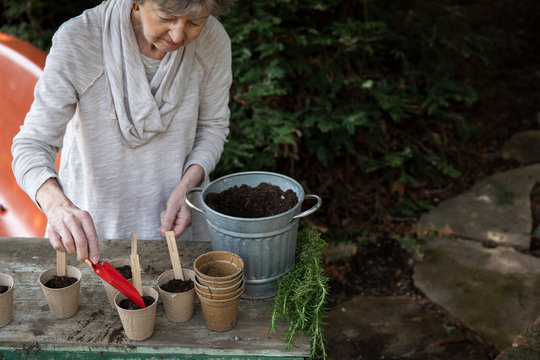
(375, 85)
(339, 93)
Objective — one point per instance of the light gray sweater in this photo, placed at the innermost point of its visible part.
(125, 188)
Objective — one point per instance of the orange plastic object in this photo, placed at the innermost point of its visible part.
(21, 64)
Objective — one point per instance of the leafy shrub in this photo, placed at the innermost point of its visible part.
(35, 21)
(333, 78)
(374, 82)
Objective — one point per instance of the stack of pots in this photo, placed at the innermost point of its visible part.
(219, 284)
(267, 244)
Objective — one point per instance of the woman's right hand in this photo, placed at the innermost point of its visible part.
(70, 228)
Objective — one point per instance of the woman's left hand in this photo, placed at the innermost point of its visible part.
(177, 216)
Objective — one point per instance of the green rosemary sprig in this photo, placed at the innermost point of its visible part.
(302, 294)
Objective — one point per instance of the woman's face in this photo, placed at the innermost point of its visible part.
(166, 32)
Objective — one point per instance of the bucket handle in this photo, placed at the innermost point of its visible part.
(312, 209)
(189, 203)
(301, 215)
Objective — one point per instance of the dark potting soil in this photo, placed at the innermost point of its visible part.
(252, 202)
(125, 271)
(128, 304)
(3, 289)
(178, 286)
(58, 282)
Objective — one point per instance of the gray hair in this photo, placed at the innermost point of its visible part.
(184, 7)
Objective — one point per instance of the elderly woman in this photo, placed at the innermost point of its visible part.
(135, 94)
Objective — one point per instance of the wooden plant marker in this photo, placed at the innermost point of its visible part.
(135, 266)
(60, 263)
(175, 258)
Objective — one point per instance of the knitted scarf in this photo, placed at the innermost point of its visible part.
(142, 109)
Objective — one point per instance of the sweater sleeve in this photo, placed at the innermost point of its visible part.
(214, 54)
(36, 146)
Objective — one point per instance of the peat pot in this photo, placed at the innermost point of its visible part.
(138, 324)
(63, 302)
(6, 300)
(267, 245)
(109, 289)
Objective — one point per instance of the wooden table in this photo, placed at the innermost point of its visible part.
(96, 332)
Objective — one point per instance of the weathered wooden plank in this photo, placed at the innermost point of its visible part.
(97, 328)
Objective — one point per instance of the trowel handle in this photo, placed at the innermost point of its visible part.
(310, 210)
(189, 203)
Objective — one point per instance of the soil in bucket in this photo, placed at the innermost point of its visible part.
(129, 304)
(252, 202)
(59, 282)
(178, 286)
(3, 289)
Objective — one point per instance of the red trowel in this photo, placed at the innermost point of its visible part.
(108, 273)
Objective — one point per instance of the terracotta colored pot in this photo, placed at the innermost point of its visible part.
(218, 266)
(221, 296)
(219, 290)
(220, 315)
(220, 284)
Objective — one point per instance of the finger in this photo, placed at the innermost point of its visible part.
(168, 218)
(73, 224)
(91, 234)
(67, 240)
(162, 228)
(81, 244)
(159, 230)
(183, 221)
(55, 241)
(179, 230)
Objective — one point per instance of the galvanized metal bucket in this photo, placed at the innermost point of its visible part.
(268, 244)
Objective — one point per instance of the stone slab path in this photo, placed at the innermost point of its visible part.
(475, 267)
(394, 327)
(497, 209)
(492, 289)
(523, 146)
